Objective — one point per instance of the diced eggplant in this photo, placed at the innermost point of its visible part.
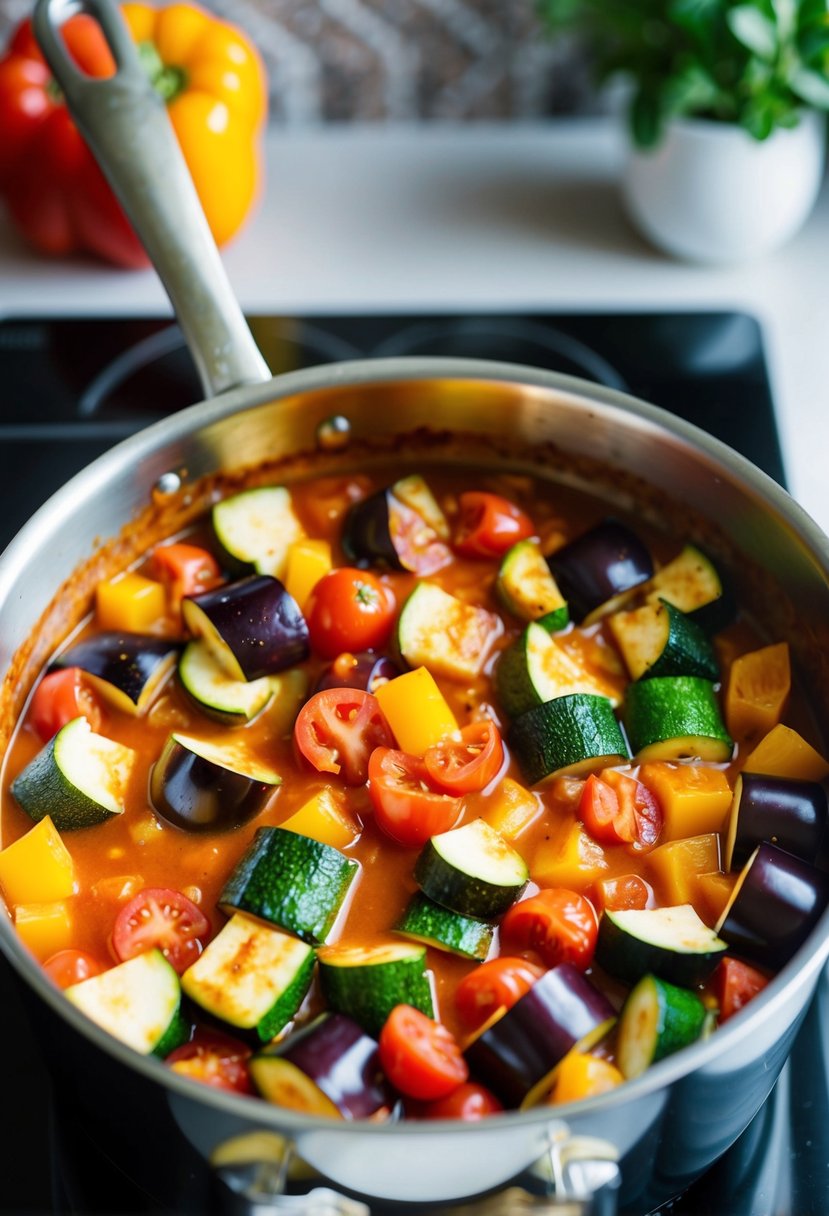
(365, 671)
(332, 1067)
(253, 626)
(398, 528)
(598, 565)
(201, 787)
(126, 668)
(791, 814)
(515, 1055)
(777, 901)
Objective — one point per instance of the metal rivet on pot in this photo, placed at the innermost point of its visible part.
(334, 433)
(167, 484)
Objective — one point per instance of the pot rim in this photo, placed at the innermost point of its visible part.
(801, 970)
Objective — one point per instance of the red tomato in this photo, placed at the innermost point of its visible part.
(159, 918)
(469, 1101)
(616, 809)
(349, 610)
(60, 697)
(214, 1059)
(735, 984)
(420, 1057)
(69, 967)
(560, 926)
(497, 984)
(488, 525)
(623, 893)
(185, 570)
(404, 805)
(337, 730)
(468, 764)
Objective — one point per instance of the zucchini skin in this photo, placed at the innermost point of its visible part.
(470, 894)
(683, 709)
(566, 732)
(628, 958)
(687, 651)
(428, 922)
(368, 991)
(657, 1019)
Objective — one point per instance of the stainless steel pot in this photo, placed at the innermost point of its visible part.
(671, 1123)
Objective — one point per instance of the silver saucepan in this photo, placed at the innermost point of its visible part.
(673, 1122)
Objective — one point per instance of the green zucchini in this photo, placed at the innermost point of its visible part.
(527, 588)
(676, 718)
(660, 640)
(535, 669)
(657, 1019)
(218, 694)
(79, 778)
(572, 734)
(444, 634)
(428, 922)
(138, 1002)
(366, 982)
(251, 976)
(291, 881)
(257, 527)
(671, 943)
(471, 870)
(691, 582)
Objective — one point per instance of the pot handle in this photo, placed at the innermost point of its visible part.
(125, 123)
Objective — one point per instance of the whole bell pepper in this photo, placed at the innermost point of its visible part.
(213, 83)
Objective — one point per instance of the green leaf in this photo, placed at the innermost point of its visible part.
(813, 44)
(646, 119)
(811, 88)
(699, 17)
(758, 118)
(753, 30)
(691, 91)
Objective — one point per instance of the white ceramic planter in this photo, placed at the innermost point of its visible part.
(711, 193)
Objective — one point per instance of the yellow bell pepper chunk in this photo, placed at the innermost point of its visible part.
(323, 817)
(416, 710)
(713, 891)
(758, 688)
(571, 859)
(694, 799)
(511, 809)
(785, 753)
(38, 867)
(44, 928)
(130, 602)
(580, 1075)
(307, 561)
(675, 866)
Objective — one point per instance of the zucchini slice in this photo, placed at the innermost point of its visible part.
(535, 669)
(201, 786)
(691, 582)
(657, 1019)
(428, 922)
(671, 943)
(676, 718)
(257, 527)
(291, 881)
(137, 1002)
(471, 870)
(218, 694)
(660, 640)
(251, 976)
(366, 982)
(79, 778)
(527, 588)
(442, 633)
(572, 734)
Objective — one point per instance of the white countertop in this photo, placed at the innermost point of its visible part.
(479, 217)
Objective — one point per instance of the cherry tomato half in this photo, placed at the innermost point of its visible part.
(214, 1059)
(469, 1101)
(60, 697)
(468, 764)
(735, 984)
(162, 919)
(185, 570)
(559, 926)
(349, 609)
(496, 984)
(617, 809)
(69, 967)
(405, 806)
(488, 525)
(338, 729)
(420, 1057)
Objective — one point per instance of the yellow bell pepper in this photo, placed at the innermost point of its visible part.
(694, 799)
(758, 688)
(674, 867)
(130, 602)
(416, 710)
(38, 867)
(580, 1075)
(570, 859)
(44, 928)
(323, 817)
(511, 809)
(785, 753)
(308, 560)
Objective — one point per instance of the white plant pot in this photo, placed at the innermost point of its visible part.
(711, 193)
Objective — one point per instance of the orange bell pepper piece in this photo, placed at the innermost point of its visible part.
(758, 688)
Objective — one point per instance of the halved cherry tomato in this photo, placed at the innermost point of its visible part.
(496, 984)
(468, 764)
(69, 967)
(337, 730)
(469, 1101)
(60, 697)
(488, 525)
(623, 893)
(559, 926)
(420, 1057)
(349, 609)
(617, 809)
(162, 919)
(735, 984)
(405, 805)
(185, 570)
(214, 1059)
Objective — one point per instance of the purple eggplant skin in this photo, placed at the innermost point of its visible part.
(366, 671)
(197, 795)
(599, 564)
(777, 904)
(128, 665)
(344, 1062)
(366, 538)
(261, 624)
(791, 814)
(532, 1037)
